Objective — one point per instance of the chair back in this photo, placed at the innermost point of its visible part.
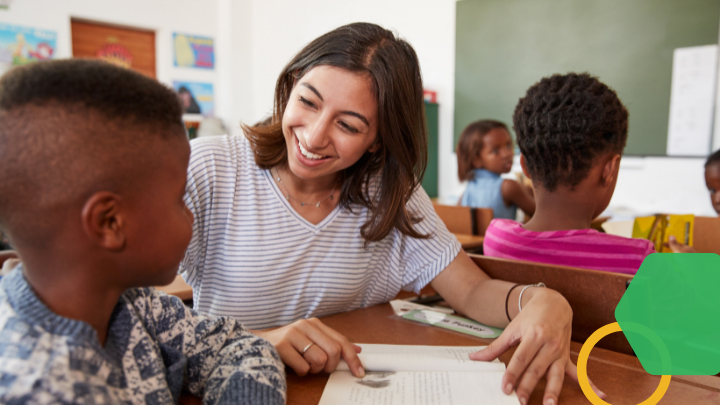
(593, 295)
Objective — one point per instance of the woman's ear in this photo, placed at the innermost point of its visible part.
(375, 146)
(610, 170)
(103, 221)
(523, 165)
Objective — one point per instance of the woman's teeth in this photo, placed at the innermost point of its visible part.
(309, 155)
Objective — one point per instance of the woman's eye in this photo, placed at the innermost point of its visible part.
(348, 128)
(307, 102)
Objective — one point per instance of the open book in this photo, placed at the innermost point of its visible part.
(422, 375)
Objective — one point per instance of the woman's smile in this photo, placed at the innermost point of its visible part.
(306, 157)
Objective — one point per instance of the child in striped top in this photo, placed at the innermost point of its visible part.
(571, 130)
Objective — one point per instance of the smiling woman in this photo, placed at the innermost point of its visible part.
(319, 210)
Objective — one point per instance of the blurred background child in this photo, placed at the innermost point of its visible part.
(485, 151)
(712, 179)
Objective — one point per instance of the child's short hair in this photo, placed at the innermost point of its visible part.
(714, 158)
(471, 143)
(564, 123)
(71, 128)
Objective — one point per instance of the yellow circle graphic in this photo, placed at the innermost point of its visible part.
(582, 369)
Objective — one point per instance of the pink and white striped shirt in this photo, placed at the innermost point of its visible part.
(584, 248)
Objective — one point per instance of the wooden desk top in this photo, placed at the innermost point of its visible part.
(620, 376)
(469, 241)
(178, 288)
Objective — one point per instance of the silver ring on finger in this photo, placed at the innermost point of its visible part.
(307, 347)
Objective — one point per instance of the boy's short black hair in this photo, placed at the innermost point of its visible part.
(70, 128)
(564, 123)
(712, 159)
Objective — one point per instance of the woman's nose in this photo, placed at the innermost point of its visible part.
(316, 137)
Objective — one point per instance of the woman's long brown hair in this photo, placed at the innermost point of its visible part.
(394, 71)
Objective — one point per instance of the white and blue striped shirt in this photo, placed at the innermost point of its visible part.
(254, 258)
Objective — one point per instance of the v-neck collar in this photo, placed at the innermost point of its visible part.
(289, 208)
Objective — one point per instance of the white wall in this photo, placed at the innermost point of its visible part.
(162, 16)
(256, 38)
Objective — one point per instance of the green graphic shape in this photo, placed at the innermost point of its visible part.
(670, 314)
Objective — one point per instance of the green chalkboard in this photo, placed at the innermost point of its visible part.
(430, 181)
(504, 46)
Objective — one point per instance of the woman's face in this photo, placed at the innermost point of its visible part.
(330, 121)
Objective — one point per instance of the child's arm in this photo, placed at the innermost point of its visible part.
(226, 364)
(515, 194)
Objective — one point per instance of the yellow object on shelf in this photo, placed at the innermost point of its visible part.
(658, 229)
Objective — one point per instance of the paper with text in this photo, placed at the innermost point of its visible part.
(417, 388)
(421, 358)
(692, 100)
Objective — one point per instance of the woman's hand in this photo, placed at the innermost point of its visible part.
(326, 347)
(678, 247)
(542, 329)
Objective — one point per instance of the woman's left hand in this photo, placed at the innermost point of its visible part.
(542, 332)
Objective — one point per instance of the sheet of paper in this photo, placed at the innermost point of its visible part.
(421, 358)
(418, 388)
(692, 100)
(456, 323)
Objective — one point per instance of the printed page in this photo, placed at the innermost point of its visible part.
(417, 388)
(421, 358)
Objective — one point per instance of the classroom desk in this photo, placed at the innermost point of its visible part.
(469, 241)
(178, 288)
(618, 375)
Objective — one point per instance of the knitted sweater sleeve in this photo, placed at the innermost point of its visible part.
(226, 364)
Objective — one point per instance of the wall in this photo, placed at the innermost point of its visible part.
(256, 38)
(162, 16)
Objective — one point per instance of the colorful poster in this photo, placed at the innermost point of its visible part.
(196, 98)
(193, 51)
(21, 45)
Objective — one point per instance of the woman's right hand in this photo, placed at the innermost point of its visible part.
(327, 347)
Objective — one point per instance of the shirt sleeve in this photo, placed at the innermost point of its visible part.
(424, 259)
(201, 197)
(226, 364)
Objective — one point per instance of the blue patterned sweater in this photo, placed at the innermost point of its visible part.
(156, 348)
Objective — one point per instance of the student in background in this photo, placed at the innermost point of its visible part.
(712, 181)
(91, 197)
(571, 130)
(485, 151)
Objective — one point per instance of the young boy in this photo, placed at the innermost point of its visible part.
(571, 130)
(91, 197)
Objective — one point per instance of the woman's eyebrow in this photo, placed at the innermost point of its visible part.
(353, 113)
(313, 89)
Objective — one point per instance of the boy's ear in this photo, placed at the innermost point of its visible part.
(523, 165)
(610, 170)
(103, 222)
